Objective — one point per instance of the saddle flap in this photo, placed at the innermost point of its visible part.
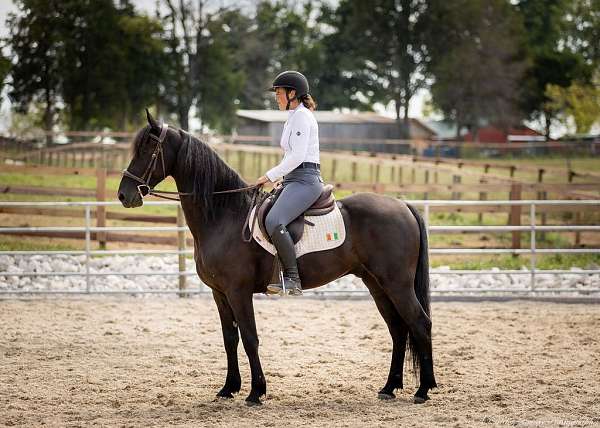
(295, 228)
(323, 205)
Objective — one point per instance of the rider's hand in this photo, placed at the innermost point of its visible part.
(262, 180)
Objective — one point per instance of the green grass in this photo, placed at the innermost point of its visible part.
(543, 262)
(10, 243)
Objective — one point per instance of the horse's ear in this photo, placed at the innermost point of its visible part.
(151, 121)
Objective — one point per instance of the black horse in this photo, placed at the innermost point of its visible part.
(386, 246)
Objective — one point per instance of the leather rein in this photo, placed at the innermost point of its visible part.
(158, 153)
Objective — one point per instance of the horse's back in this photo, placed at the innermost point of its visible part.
(381, 226)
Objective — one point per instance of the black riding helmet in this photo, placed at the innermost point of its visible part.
(291, 80)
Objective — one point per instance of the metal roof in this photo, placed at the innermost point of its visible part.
(321, 116)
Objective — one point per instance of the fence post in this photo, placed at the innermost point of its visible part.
(542, 195)
(515, 214)
(241, 158)
(426, 194)
(456, 179)
(482, 197)
(532, 242)
(101, 210)
(260, 164)
(354, 171)
(333, 169)
(577, 214)
(181, 247)
(88, 245)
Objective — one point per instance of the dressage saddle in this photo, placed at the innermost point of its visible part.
(324, 205)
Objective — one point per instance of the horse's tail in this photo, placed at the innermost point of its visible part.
(421, 281)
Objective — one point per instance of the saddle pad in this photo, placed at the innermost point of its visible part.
(327, 233)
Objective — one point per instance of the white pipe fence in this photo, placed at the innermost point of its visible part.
(533, 251)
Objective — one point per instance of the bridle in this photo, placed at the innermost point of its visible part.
(144, 180)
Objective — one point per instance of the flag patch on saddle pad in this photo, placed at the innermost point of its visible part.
(332, 236)
(327, 233)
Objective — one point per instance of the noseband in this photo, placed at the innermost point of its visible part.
(144, 180)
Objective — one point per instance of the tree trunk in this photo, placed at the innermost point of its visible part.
(48, 122)
(407, 98)
(547, 122)
(183, 113)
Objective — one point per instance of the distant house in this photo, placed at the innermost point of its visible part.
(492, 134)
(336, 130)
(445, 131)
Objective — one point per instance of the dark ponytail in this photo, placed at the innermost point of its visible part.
(308, 102)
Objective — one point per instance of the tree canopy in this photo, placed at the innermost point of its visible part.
(95, 64)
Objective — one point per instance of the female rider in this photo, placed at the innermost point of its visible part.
(300, 169)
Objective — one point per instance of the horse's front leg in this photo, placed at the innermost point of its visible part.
(231, 339)
(243, 311)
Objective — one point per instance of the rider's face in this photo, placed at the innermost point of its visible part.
(280, 96)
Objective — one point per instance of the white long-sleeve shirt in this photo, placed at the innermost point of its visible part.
(299, 141)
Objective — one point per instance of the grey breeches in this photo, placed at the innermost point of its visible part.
(301, 188)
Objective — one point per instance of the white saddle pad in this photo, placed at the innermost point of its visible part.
(327, 233)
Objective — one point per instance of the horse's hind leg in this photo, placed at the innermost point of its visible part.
(399, 332)
(419, 325)
(231, 339)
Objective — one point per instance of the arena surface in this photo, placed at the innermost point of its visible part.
(160, 361)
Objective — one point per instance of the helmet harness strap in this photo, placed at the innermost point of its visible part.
(287, 97)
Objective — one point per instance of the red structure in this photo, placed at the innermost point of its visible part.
(492, 134)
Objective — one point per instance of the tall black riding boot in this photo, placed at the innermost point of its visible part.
(287, 255)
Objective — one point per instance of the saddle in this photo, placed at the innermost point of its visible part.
(323, 205)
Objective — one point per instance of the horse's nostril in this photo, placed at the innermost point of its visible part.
(121, 197)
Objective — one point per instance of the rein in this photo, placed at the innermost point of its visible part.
(158, 152)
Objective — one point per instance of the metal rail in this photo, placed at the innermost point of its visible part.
(532, 251)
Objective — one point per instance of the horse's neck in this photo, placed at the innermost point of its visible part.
(204, 229)
(201, 227)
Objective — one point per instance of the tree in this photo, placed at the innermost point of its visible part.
(4, 69)
(580, 101)
(219, 82)
(35, 44)
(386, 41)
(476, 62)
(199, 64)
(143, 65)
(552, 62)
(113, 63)
(583, 29)
(99, 63)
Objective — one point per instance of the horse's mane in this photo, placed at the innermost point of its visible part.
(201, 165)
(209, 173)
(140, 137)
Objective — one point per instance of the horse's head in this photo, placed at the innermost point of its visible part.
(154, 156)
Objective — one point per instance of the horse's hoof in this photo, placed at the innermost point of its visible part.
(225, 395)
(252, 403)
(385, 396)
(420, 400)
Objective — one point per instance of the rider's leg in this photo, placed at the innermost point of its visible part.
(301, 190)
